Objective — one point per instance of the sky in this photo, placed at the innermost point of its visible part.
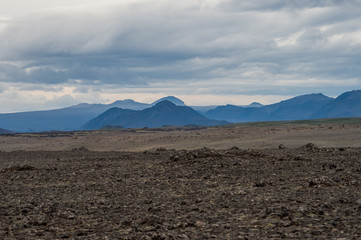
(62, 52)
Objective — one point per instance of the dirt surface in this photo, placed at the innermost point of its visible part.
(244, 137)
(306, 192)
(252, 183)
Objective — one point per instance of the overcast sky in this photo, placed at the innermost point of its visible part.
(62, 52)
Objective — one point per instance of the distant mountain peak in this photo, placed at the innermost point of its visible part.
(165, 106)
(311, 96)
(255, 104)
(172, 99)
(165, 103)
(355, 94)
(124, 101)
(348, 104)
(81, 105)
(307, 98)
(231, 106)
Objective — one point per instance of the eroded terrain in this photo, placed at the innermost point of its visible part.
(300, 192)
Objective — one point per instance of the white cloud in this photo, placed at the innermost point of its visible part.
(290, 40)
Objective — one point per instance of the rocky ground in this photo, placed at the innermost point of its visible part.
(303, 193)
(259, 136)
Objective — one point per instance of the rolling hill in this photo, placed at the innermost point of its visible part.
(297, 108)
(4, 131)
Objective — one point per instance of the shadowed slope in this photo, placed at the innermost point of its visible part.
(163, 113)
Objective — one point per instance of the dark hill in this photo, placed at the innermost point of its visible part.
(232, 113)
(297, 108)
(112, 117)
(255, 104)
(204, 109)
(63, 119)
(347, 104)
(4, 131)
(163, 113)
(66, 119)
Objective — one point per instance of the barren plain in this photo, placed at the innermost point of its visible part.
(256, 181)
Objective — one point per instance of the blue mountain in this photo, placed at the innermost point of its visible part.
(171, 99)
(297, 108)
(161, 114)
(309, 106)
(64, 119)
(347, 104)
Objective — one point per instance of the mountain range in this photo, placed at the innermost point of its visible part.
(311, 106)
(129, 113)
(347, 104)
(161, 114)
(65, 119)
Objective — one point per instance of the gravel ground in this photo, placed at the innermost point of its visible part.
(303, 193)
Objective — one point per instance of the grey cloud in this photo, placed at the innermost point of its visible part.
(144, 43)
(276, 5)
(65, 100)
(11, 73)
(38, 87)
(82, 89)
(46, 75)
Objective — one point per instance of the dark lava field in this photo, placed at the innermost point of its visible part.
(300, 193)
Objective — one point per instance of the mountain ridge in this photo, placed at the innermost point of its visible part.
(161, 114)
(347, 104)
(309, 106)
(62, 119)
(297, 108)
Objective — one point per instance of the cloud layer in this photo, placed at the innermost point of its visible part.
(190, 48)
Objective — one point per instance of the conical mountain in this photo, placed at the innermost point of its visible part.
(161, 114)
(113, 117)
(171, 99)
